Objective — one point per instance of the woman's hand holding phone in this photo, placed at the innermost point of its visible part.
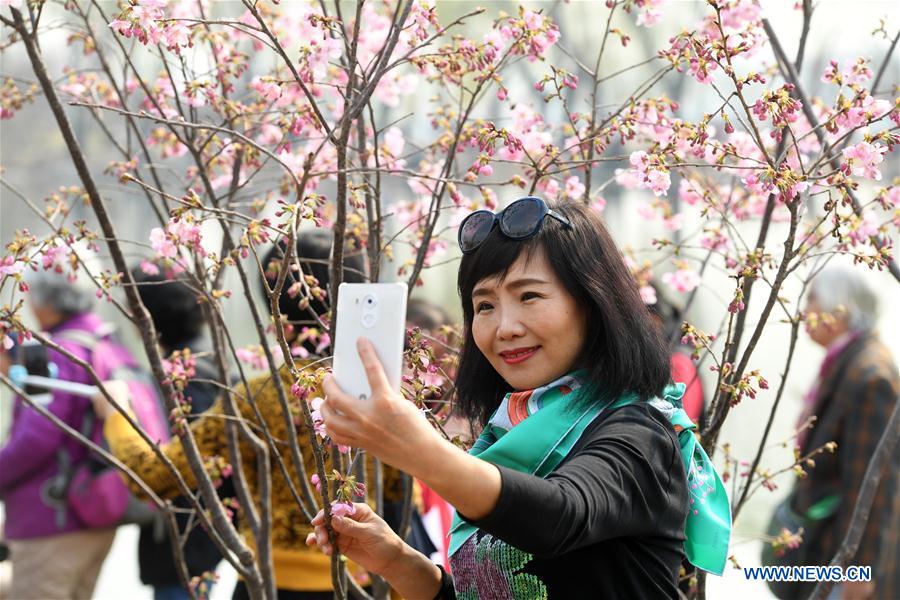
(395, 431)
(385, 424)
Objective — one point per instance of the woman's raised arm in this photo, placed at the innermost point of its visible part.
(395, 431)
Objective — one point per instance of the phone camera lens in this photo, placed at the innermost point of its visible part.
(370, 301)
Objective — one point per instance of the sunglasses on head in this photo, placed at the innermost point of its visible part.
(520, 220)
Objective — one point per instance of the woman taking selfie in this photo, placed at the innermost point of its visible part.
(586, 478)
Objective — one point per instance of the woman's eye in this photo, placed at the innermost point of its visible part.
(530, 295)
(483, 306)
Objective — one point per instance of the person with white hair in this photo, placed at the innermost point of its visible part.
(852, 399)
(53, 554)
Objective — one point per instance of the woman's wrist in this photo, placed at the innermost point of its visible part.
(413, 574)
(470, 484)
(423, 452)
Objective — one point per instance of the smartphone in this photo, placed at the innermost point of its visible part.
(376, 311)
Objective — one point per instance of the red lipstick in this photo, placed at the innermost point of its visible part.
(518, 355)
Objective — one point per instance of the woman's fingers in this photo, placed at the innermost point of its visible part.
(322, 536)
(374, 370)
(363, 512)
(322, 540)
(330, 386)
(335, 398)
(350, 528)
(339, 427)
(343, 526)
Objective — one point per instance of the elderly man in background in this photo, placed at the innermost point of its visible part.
(852, 399)
(53, 555)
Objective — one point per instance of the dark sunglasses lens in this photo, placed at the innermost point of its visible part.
(475, 230)
(522, 217)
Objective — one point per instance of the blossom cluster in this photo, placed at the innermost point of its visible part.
(145, 20)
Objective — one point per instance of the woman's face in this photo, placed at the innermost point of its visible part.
(529, 327)
(822, 327)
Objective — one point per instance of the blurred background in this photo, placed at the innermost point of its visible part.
(35, 162)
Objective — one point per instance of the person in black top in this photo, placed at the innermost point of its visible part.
(577, 486)
(178, 318)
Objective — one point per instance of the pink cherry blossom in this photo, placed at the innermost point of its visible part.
(54, 258)
(658, 181)
(862, 111)
(549, 187)
(149, 268)
(673, 222)
(688, 193)
(180, 368)
(893, 196)
(683, 280)
(863, 228)
(339, 508)
(648, 13)
(324, 343)
(863, 159)
(161, 243)
(574, 188)
(714, 239)
(648, 294)
(318, 422)
(185, 231)
(395, 86)
(177, 35)
(650, 173)
(645, 211)
(253, 356)
(10, 266)
(628, 178)
(266, 87)
(854, 73)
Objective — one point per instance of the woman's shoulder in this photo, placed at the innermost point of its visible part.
(639, 425)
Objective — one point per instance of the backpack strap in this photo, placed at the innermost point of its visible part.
(89, 342)
(85, 339)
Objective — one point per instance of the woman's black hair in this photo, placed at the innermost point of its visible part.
(172, 304)
(623, 349)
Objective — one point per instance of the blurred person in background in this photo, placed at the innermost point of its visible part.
(178, 318)
(670, 317)
(852, 399)
(436, 513)
(53, 555)
(301, 573)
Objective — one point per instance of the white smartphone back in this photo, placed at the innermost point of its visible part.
(376, 311)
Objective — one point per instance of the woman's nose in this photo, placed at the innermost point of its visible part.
(510, 325)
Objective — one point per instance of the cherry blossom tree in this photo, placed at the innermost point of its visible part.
(241, 124)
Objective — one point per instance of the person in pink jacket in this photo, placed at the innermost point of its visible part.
(53, 554)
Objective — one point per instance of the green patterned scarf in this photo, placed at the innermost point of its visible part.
(532, 431)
